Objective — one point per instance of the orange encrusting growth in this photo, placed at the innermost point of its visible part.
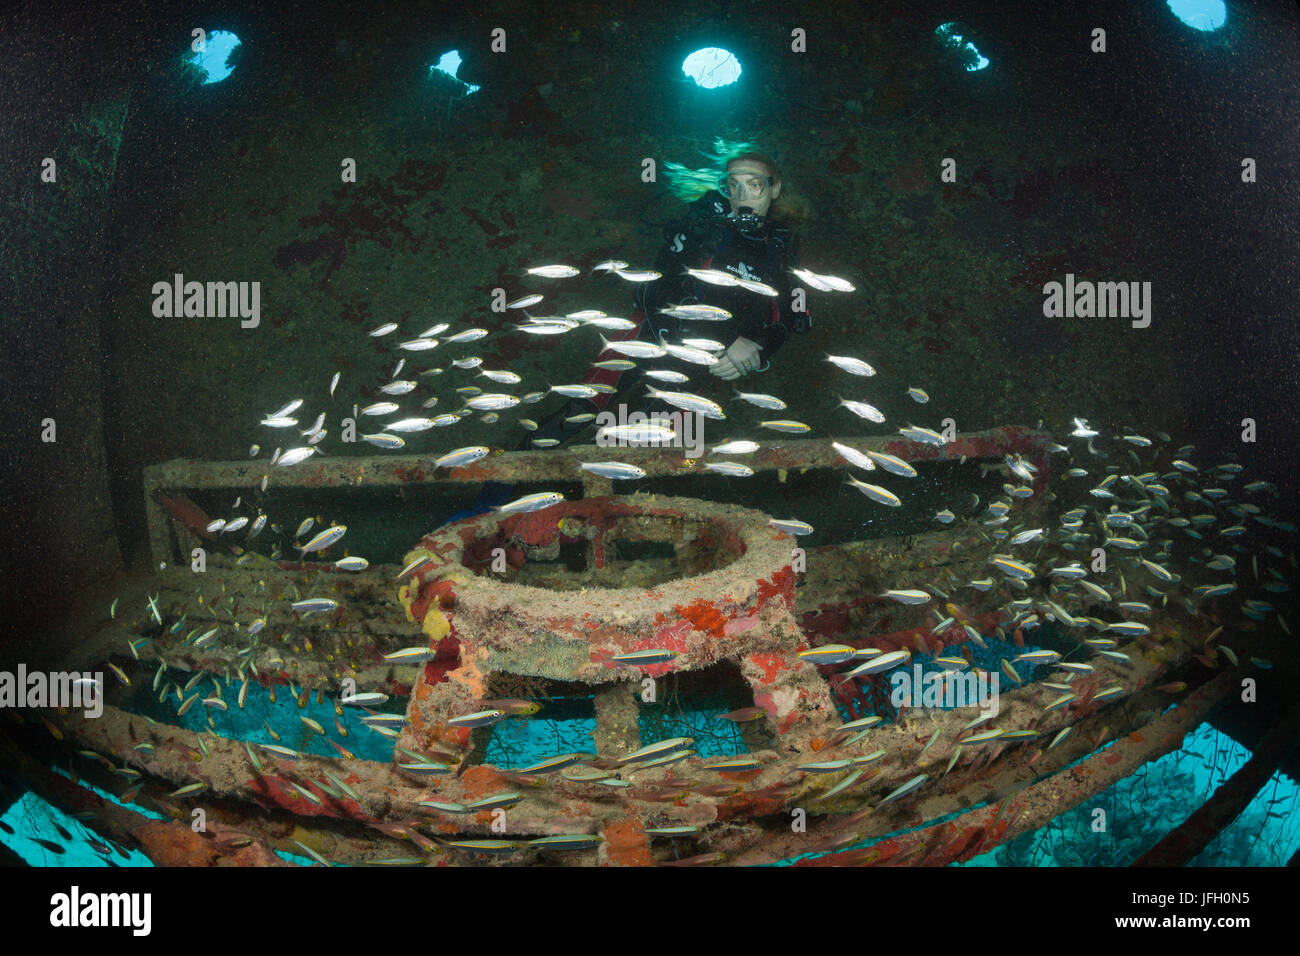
(704, 615)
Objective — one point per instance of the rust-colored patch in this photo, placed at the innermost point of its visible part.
(447, 659)
(171, 845)
(746, 805)
(781, 585)
(481, 781)
(626, 843)
(966, 845)
(772, 664)
(704, 615)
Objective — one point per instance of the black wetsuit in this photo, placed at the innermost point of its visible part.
(703, 239)
(706, 239)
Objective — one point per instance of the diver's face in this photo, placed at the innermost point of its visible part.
(747, 186)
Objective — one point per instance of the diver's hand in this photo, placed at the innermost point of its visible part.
(741, 359)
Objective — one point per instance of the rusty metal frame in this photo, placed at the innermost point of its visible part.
(539, 465)
(742, 837)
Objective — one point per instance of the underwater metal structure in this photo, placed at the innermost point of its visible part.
(547, 605)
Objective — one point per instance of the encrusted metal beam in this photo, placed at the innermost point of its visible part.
(1181, 845)
(537, 465)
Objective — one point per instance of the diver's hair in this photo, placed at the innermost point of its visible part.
(689, 185)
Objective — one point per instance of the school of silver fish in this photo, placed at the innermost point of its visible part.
(1176, 531)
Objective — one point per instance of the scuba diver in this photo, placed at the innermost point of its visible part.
(733, 229)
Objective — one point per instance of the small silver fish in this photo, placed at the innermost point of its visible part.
(664, 375)
(925, 435)
(462, 456)
(824, 283)
(790, 526)
(418, 345)
(288, 409)
(632, 435)
(406, 425)
(761, 400)
(876, 493)
(697, 312)
(482, 718)
(411, 655)
(851, 365)
(787, 426)
(364, 699)
(892, 464)
(612, 469)
(687, 353)
(534, 502)
(864, 411)
(324, 539)
(316, 425)
(690, 403)
(546, 328)
(312, 605)
(553, 272)
(881, 663)
(491, 401)
(909, 596)
(906, 788)
(714, 276)
(762, 288)
(633, 348)
(642, 657)
(709, 345)
(730, 468)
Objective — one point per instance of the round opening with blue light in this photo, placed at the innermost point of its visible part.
(1203, 15)
(712, 67)
(212, 58)
(448, 65)
(948, 35)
